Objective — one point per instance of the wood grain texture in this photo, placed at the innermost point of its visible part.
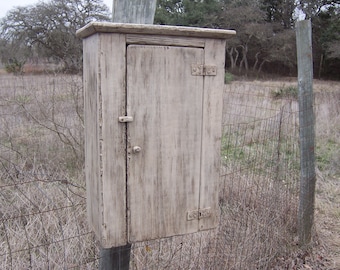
(91, 119)
(105, 145)
(133, 11)
(148, 29)
(176, 123)
(211, 132)
(307, 131)
(165, 41)
(113, 139)
(166, 103)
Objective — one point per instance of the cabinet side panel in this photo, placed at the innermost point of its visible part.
(92, 167)
(211, 132)
(113, 138)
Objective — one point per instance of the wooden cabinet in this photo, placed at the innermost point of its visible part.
(153, 107)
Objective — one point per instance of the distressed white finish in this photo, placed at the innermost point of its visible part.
(152, 132)
(105, 140)
(148, 29)
(133, 11)
(166, 103)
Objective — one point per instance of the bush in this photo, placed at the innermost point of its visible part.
(14, 66)
(228, 78)
(291, 92)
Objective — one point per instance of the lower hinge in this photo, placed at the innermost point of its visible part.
(203, 70)
(199, 214)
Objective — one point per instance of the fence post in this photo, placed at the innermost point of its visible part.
(133, 11)
(307, 133)
(115, 258)
(126, 11)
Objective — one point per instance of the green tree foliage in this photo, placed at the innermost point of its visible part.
(280, 11)
(256, 43)
(188, 13)
(265, 39)
(48, 29)
(326, 32)
(325, 16)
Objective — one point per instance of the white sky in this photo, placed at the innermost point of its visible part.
(6, 5)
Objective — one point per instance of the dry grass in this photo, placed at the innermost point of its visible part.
(328, 170)
(42, 187)
(42, 190)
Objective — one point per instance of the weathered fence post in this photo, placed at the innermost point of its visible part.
(307, 133)
(133, 11)
(115, 258)
(126, 11)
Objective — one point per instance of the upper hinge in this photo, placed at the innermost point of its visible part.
(203, 70)
(199, 214)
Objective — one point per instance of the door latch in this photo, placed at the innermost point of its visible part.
(125, 119)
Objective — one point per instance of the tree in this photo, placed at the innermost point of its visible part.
(265, 39)
(312, 8)
(325, 17)
(326, 33)
(188, 13)
(49, 28)
(251, 30)
(13, 55)
(280, 11)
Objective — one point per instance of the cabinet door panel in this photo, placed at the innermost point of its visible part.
(164, 140)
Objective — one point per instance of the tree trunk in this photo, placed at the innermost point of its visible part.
(231, 57)
(256, 61)
(245, 53)
(320, 66)
(261, 65)
(244, 61)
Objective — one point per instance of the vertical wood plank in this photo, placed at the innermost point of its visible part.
(134, 11)
(211, 132)
(92, 166)
(166, 103)
(113, 138)
(307, 132)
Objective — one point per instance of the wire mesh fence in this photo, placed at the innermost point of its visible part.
(42, 186)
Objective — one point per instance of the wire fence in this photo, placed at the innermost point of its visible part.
(42, 187)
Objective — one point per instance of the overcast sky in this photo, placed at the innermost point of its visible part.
(6, 5)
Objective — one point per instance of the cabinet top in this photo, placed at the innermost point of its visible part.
(151, 29)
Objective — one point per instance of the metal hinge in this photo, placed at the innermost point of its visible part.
(199, 214)
(203, 70)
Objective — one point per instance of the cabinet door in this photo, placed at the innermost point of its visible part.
(164, 140)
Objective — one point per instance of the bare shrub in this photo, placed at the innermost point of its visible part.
(42, 187)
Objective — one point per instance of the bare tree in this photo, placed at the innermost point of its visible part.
(50, 28)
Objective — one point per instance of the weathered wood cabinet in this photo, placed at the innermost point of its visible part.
(153, 106)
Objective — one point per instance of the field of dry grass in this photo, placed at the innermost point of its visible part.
(328, 169)
(42, 188)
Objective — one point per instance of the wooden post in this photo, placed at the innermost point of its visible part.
(115, 258)
(307, 133)
(134, 11)
(126, 11)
